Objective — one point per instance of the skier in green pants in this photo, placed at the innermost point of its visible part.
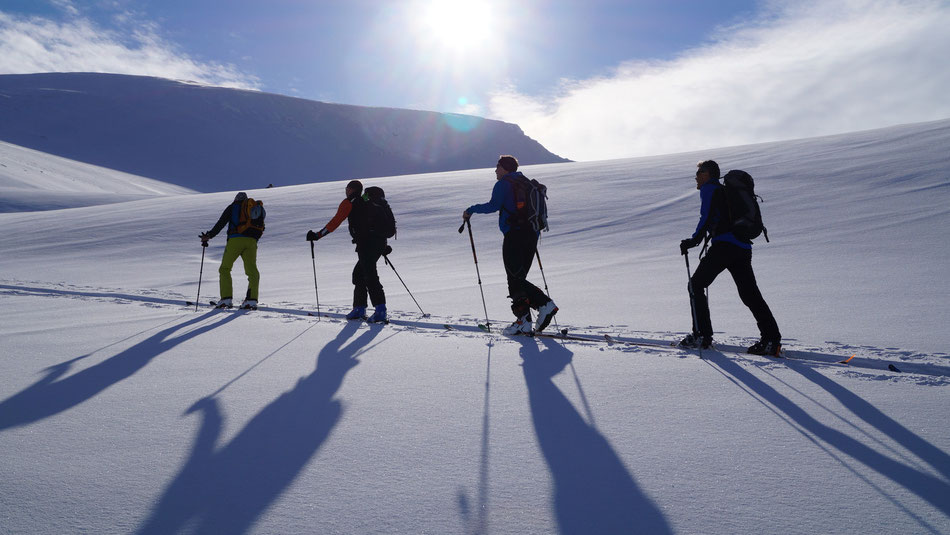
(245, 220)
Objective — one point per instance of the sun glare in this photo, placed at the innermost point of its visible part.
(457, 24)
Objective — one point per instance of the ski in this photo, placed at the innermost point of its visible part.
(565, 336)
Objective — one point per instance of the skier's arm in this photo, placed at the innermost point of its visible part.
(706, 196)
(222, 221)
(496, 203)
(341, 214)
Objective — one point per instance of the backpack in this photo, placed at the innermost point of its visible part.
(742, 207)
(250, 216)
(531, 205)
(379, 216)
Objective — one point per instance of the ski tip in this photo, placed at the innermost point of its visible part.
(893, 368)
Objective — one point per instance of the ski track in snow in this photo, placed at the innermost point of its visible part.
(921, 368)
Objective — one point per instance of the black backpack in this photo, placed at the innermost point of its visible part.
(379, 216)
(743, 216)
(531, 205)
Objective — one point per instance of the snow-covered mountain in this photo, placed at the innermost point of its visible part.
(212, 138)
(121, 410)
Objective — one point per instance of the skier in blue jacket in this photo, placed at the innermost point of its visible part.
(518, 250)
(727, 252)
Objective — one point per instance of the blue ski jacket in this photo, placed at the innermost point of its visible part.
(502, 201)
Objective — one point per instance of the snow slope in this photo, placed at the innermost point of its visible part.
(31, 180)
(123, 411)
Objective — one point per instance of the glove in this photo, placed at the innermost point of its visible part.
(314, 236)
(689, 243)
(204, 238)
(387, 250)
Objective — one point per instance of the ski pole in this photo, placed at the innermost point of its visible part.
(479, 275)
(546, 291)
(204, 245)
(313, 260)
(390, 264)
(692, 301)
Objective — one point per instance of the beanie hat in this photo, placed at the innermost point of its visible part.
(240, 197)
(355, 185)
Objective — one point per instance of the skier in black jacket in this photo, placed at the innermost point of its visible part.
(727, 252)
(369, 247)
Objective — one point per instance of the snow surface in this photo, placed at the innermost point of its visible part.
(31, 180)
(122, 411)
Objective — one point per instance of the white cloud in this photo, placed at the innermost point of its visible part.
(29, 45)
(802, 69)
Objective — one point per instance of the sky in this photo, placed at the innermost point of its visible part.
(590, 80)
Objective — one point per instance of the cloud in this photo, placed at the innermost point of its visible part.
(800, 69)
(29, 45)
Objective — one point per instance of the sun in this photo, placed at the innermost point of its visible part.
(459, 25)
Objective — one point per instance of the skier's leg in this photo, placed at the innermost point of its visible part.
(374, 287)
(231, 253)
(515, 270)
(249, 255)
(751, 296)
(359, 286)
(536, 297)
(709, 268)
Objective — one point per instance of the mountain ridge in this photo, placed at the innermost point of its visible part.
(212, 138)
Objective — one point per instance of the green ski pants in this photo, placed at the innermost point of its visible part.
(246, 248)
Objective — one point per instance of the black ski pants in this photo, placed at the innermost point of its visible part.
(365, 275)
(517, 251)
(738, 261)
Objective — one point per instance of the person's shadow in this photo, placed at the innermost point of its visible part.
(594, 492)
(225, 488)
(51, 395)
(931, 488)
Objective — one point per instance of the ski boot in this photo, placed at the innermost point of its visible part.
(767, 347)
(545, 313)
(225, 302)
(358, 313)
(249, 304)
(379, 315)
(521, 326)
(696, 341)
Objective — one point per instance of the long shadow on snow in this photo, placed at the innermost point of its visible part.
(928, 487)
(50, 396)
(224, 489)
(594, 491)
(931, 454)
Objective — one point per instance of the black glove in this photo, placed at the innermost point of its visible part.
(689, 243)
(204, 239)
(387, 250)
(314, 236)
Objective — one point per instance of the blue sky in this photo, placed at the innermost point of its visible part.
(589, 79)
